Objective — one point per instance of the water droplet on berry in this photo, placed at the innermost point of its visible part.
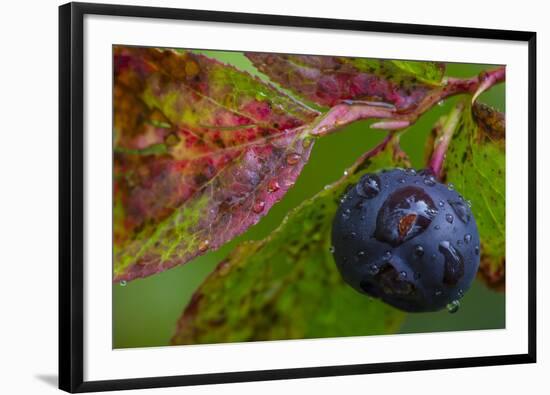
(469, 203)
(203, 245)
(361, 254)
(293, 158)
(451, 186)
(410, 171)
(467, 238)
(401, 180)
(346, 214)
(441, 203)
(373, 269)
(273, 185)
(429, 180)
(387, 255)
(449, 218)
(403, 274)
(436, 227)
(454, 263)
(458, 242)
(123, 283)
(369, 186)
(461, 210)
(453, 306)
(405, 214)
(438, 292)
(419, 250)
(460, 293)
(476, 250)
(258, 206)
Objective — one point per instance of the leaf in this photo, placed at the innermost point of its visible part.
(475, 164)
(201, 152)
(328, 80)
(429, 72)
(287, 285)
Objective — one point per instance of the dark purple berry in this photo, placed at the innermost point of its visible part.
(417, 239)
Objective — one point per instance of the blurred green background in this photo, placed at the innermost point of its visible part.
(145, 311)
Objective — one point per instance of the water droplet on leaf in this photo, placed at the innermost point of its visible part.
(273, 185)
(203, 245)
(453, 306)
(293, 158)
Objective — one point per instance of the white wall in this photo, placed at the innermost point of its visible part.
(28, 194)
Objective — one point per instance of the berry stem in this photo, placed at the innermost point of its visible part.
(447, 130)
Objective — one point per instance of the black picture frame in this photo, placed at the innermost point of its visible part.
(71, 197)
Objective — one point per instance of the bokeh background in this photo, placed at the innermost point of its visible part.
(145, 311)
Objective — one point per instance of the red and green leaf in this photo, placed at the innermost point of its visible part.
(201, 152)
(328, 80)
(287, 285)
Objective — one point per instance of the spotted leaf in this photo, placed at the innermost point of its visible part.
(329, 80)
(475, 164)
(201, 152)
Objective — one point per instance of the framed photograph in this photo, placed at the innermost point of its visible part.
(253, 197)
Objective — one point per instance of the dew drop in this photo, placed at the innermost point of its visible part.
(352, 235)
(429, 180)
(203, 245)
(293, 158)
(273, 185)
(258, 206)
(441, 103)
(369, 186)
(346, 214)
(405, 214)
(387, 255)
(459, 242)
(467, 238)
(410, 171)
(418, 250)
(461, 210)
(441, 203)
(436, 227)
(451, 186)
(438, 292)
(453, 306)
(449, 218)
(123, 283)
(332, 249)
(401, 180)
(454, 263)
(476, 250)
(403, 274)
(373, 269)
(469, 203)
(361, 254)
(460, 293)
(326, 187)
(306, 142)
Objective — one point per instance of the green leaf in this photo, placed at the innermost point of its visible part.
(475, 164)
(287, 285)
(430, 72)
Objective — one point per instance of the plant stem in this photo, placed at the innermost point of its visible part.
(447, 131)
